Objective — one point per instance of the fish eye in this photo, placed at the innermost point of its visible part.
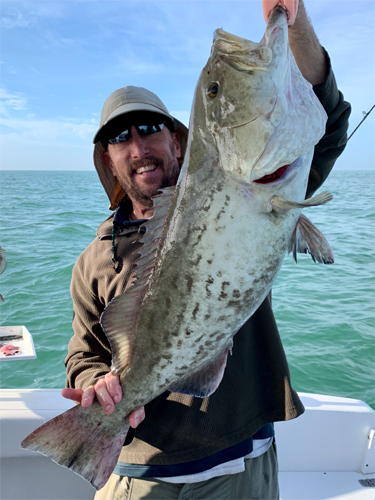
(212, 90)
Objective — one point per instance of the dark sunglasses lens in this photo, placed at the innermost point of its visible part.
(124, 136)
(142, 130)
(149, 129)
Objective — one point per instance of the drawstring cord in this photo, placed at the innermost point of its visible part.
(114, 260)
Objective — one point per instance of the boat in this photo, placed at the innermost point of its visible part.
(327, 453)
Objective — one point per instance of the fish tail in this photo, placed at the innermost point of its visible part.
(85, 440)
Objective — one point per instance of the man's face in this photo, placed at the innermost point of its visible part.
(145, 164)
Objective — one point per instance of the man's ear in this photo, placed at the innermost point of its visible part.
(108, 162)
(177, 144)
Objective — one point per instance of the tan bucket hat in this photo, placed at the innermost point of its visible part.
(122, 101)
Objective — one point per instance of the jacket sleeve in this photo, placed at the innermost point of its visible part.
(334, 140)
(89, 354)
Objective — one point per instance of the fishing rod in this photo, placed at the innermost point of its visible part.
(363, 119)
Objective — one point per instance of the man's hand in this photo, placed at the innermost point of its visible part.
(108, 392)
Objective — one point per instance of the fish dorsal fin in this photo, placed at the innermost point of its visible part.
(307, 238)
(206, 380)
(120, 317)
(281, 205)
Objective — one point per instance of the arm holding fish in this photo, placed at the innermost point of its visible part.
(333, 143)
(315, 65)
(308, 53)
(89, 355)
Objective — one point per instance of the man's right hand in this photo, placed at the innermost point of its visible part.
(108, 392)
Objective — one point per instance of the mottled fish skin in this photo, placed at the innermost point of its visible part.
(213, 248)
(225, 244)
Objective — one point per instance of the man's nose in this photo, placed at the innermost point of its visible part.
(138, 145)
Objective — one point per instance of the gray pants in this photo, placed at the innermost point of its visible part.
(258, 481)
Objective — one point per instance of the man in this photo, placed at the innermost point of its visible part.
(221, 446)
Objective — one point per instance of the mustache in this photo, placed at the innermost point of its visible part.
(150, 160)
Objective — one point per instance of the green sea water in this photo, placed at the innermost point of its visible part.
(325, 314)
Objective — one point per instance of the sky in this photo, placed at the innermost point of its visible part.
(59, 61)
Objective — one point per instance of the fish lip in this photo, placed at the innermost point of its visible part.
(241, 44)
(276, 21)
(240, 65)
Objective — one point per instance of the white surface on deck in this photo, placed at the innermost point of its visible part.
(332, 435)
(25, 475)
(323, 486)
(321, 453)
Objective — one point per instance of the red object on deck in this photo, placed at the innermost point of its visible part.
(9, 350)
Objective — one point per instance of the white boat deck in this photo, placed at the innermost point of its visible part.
(326, 454)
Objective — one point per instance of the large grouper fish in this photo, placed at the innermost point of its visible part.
(214, 246)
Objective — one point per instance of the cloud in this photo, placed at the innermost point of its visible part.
(11, 101)
(17, 14)
(44, 130)
(59, 42)
(16, 20)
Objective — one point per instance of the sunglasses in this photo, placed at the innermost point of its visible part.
(143, 131)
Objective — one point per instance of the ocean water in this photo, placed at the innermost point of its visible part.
(325, 314)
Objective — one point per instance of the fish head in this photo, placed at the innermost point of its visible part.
(261, 114)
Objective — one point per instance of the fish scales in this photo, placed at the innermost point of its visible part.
(215, 244)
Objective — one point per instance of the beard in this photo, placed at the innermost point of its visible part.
(143, 194)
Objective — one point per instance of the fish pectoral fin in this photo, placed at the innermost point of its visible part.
(206, 380)
(281, 205)
(307, 238)
(117, 321)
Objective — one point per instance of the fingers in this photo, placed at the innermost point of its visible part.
(73, 394)
(113, 386)
(107, 390)
(104, 397)
(290, 5)
(137, 417)
(88, 396)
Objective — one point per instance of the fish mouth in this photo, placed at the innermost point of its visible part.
(245, 55)
(228, 43)
(241, 54)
